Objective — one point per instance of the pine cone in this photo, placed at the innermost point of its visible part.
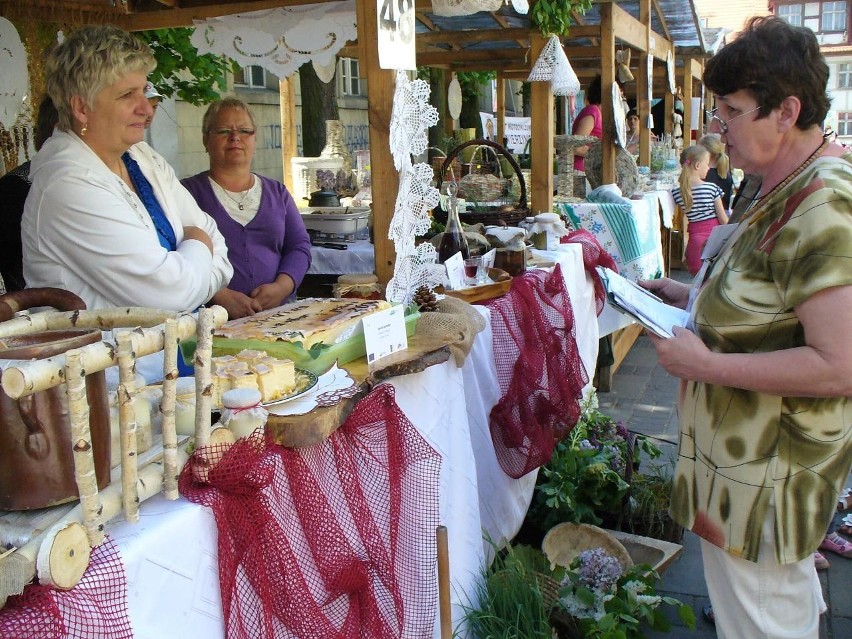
(425, 299)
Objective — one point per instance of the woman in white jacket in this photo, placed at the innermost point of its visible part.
(106, 217)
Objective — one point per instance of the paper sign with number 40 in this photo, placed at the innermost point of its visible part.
(396, 34)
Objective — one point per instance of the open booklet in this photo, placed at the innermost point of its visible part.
(642, 305)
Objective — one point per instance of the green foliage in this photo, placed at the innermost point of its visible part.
(510, 602)
(554, 17)
(471, 82)
(182, 71)
(625, 609)
(586, 474)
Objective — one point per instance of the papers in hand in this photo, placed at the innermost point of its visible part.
(642, 305)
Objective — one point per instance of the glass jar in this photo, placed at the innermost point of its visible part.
(363, 286)
(243, 413)
(185, 406)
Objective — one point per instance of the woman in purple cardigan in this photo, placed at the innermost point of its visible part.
(266, 238)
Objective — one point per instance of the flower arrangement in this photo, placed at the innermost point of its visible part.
(587, 474)
(607, 602)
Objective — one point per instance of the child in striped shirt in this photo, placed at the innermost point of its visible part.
(701, 202)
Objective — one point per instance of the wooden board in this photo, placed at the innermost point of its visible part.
(297, 431)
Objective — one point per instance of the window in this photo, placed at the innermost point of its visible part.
(253, 77)
(350, 76)
(844, 76)
(844, 123)
(833, 17)
(792, 13)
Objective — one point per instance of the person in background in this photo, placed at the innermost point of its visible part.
(700, 201)
(154, 98)
(634, 130)
(720, 167)
(106, 217)
(765, 444)
(589, 121)
(267, 240)
(14, 187)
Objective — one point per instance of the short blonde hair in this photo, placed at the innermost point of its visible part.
(216, 106)
(90, 59)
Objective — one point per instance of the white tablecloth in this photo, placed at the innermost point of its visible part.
(170, 555)
(358, 257)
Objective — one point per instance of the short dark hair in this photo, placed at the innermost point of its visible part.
(45, 122)
(632, 113)
(593, 91)
(773, 60)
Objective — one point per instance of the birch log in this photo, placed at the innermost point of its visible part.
(167, 408)
(203, 376)
(104, 319)
(81, 445)
(26, 378)
(64, 556)
(127, 425)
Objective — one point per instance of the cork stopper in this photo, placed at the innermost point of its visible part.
(357, 279)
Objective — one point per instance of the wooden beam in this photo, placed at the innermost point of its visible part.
(608, 28)
(379, 106)
(643, 98)
(633, 32)
(501, 108)
(461, 58)
(167, 19)
(662, 18)
(542, 131)
(287, 94)
(470, 36)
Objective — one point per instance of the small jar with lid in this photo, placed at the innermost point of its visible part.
(243, 412)
(185, 406)
(358, 285)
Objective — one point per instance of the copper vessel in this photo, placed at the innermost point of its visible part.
(36, 459)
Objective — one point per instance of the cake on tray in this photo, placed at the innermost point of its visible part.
(274, 378)
(308, 322)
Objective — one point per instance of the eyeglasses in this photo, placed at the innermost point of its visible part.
(723, 124)
(226, 133)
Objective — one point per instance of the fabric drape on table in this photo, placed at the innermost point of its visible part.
(594, 255)
(336, 540)
(539, 370)
(95, 607)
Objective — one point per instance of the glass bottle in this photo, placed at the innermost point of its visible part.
(453, 239)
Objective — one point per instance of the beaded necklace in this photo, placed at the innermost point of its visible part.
(752, 216)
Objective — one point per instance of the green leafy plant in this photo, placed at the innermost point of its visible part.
(182, 71)
(607, 602)
(586, 475)
(557, 16)
(649, 504)
(471, 82)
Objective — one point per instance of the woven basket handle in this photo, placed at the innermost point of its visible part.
(494, 153)
(522, 203)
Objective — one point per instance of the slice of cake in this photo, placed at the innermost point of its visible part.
(274, 378)
(284, 373)
(309, 321)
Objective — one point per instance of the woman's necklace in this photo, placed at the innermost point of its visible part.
(751, 216)
(245, 194)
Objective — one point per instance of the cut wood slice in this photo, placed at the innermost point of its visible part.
(64, 556)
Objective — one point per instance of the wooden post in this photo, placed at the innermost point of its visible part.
(643, 97)
(501, 108)
(542, 130)
(81, 441)
(380, 105)
(287, 93)
(686, 81)
(167, 408)
(444, 607)
(607, 80)
(127, 426)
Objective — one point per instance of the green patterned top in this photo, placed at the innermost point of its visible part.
(738, 447)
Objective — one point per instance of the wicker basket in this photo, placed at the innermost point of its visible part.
(480, 185)
(495, 212)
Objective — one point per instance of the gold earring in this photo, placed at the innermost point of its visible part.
(83, 131)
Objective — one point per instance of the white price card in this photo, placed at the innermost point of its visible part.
(396, 34)
(488, 259)
(455, 271)
(384, 333)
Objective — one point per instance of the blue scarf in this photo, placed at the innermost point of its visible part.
(165, 232)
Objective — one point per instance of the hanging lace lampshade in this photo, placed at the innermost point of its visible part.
(542, 70)
(565, 81)
(325, 72)
(454, 98)
(521, 6)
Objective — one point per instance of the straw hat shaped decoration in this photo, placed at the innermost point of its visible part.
(622, 60)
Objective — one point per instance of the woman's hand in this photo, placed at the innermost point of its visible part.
(195, 233)
(682, 355)
(271, 294)
(668, 290)
(237, 304)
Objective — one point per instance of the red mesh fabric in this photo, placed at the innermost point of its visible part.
(593, 255)
(331, 541)
(95, 607)
(539, 370)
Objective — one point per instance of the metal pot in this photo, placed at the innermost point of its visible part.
(36, 457)
(324, 198)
